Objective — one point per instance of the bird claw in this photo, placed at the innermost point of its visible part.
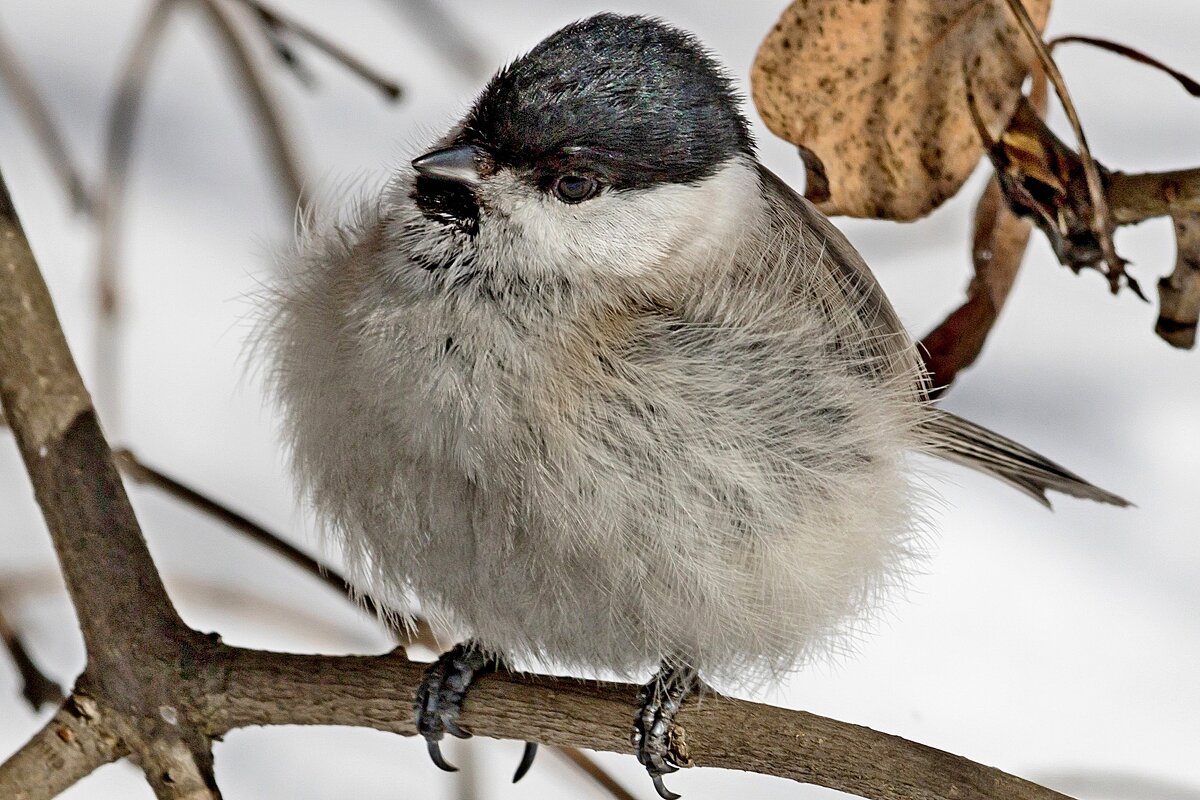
(435, 753)
(658, 703)
(527, 757)
(663, 791)
(440, 698)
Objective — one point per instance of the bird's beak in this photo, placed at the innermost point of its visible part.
(460, 164)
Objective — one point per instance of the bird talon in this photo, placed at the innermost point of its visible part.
(654, 723)
(663, 791)
(527, 757)
(435, 753)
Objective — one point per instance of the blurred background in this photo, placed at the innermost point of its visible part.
(1060, 647)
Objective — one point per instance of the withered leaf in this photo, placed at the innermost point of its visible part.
(997, 249)
(877, 91)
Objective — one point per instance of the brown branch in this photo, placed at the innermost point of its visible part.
(130, 628)
(1136, 198)
(37, 689)
(29, 102)
(277, 21)
(70, 746)
(274, 689)
(1102, 223)
(1179, 292)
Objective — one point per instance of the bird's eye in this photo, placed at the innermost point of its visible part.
(576, 188)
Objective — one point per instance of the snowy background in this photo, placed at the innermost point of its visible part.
(1061, 647)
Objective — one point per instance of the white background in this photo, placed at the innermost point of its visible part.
(1062, 647)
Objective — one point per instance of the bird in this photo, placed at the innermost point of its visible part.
(596, 389)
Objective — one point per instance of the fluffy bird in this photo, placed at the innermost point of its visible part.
(601, 391)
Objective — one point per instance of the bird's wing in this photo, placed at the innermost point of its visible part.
(845, 281)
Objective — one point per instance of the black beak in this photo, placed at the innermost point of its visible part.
(460, 164)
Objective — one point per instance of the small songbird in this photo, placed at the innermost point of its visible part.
(600, 391)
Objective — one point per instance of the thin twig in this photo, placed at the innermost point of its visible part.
(29, 102)
(275, 20)
(1189, 85)
(140, 472)
(1102, 224)
(257, 92)
(37, 689)
(120, 129)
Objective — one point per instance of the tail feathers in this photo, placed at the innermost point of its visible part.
(955, 439)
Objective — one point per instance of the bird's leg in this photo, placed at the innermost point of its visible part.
(654, 723)
(440, 699)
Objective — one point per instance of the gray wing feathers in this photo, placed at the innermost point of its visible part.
(856, 303)
(963, 442)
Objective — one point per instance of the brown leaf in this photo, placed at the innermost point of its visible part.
(996, 251)
(876, 90)
(1179, 292)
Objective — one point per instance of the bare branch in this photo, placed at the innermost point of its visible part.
(70, 746)
(37, 689)
(1139, 197)
(1179, 292)
(274, 689)
(277, 21)
(176, 770)
(27, 100)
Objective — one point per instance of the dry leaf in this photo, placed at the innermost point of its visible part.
(997, 249)
(876, 90)
(1179, 292)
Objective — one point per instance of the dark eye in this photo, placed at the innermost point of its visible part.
(576, 188)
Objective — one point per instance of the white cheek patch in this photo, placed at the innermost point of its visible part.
(626, 233)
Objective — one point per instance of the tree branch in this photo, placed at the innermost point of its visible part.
(69, 747)
(275, 689)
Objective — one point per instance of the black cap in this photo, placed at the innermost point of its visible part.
(629, 99)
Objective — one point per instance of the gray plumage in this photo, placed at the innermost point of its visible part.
(671, 420)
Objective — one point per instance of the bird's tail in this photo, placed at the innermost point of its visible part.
(955, 439)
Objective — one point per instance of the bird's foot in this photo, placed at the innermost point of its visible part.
(655, 740)
(440, 699)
